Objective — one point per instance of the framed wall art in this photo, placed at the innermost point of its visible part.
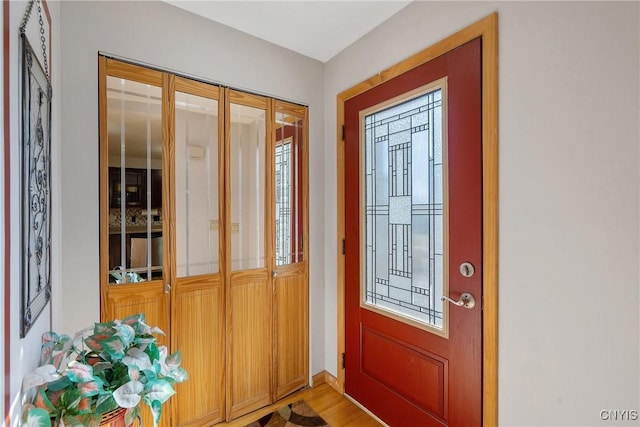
(36, 179)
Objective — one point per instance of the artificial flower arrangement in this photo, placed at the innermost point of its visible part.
(113, 366)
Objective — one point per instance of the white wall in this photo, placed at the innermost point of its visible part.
(24, 353)
(165, 36)
(569, 196)
(2, 228)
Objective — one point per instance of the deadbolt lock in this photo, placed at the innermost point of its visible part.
(467, 269)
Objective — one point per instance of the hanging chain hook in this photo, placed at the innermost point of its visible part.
(43, 39)
(25, 18)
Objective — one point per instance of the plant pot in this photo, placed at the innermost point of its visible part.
(114, 418)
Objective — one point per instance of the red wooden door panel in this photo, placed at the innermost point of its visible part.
(406, 375)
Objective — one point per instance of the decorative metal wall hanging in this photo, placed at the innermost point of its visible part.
(36, 177)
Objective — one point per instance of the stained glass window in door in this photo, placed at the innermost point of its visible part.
(288, 188)
(405, 207)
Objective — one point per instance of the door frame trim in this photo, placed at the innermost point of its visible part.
(487, 29)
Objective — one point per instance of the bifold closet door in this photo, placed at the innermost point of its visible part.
(134, 257)
(249, 284)
(203, 228)
(197, 305)
(290, 302)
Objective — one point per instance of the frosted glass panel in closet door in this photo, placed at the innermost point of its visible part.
(247, 173)
(197, 213)
(134, 126)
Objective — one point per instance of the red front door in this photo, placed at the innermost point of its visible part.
(413, 234)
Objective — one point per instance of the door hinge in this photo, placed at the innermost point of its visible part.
(343, 245)
(343, 132)
(342, 360)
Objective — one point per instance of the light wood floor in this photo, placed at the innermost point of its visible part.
(336, 409)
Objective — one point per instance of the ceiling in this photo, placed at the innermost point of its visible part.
(318, 29)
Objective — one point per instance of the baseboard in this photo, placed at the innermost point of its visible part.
(325, 377)
(318, 379)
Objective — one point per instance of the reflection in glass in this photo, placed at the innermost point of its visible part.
(288, 188)
(134, 124)
(197, 216)
(404, 208)
(247, 172)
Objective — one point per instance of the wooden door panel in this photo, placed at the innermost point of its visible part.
(291, 329)
(423, 382)
(151, 300)
(249, 345)
(147, 298)
(198, 333)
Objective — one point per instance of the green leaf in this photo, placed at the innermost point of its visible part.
(133, 319)
(156, 410)
(59, 359)
(79, 372)
(134, 373)
(153, 351)
(71, 398)
(131, 415)
(106, 403)
(64, 343)
(100, 367)
(126, 333)
(104, 328)
(159, 390)
(72, 421)
(138, 323)
(49, 336)
(85, 406)
(179, 375)
(55, 399)
(60, 384)
(42, 401)
(114, 347)
(156, 330)
(46, 353)
(94, 342)
(37, 418)
(174, 360)
(90, 420)
(144, 341)
(150, 374)
(128, 395)
(91, 388)
(119, 376)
